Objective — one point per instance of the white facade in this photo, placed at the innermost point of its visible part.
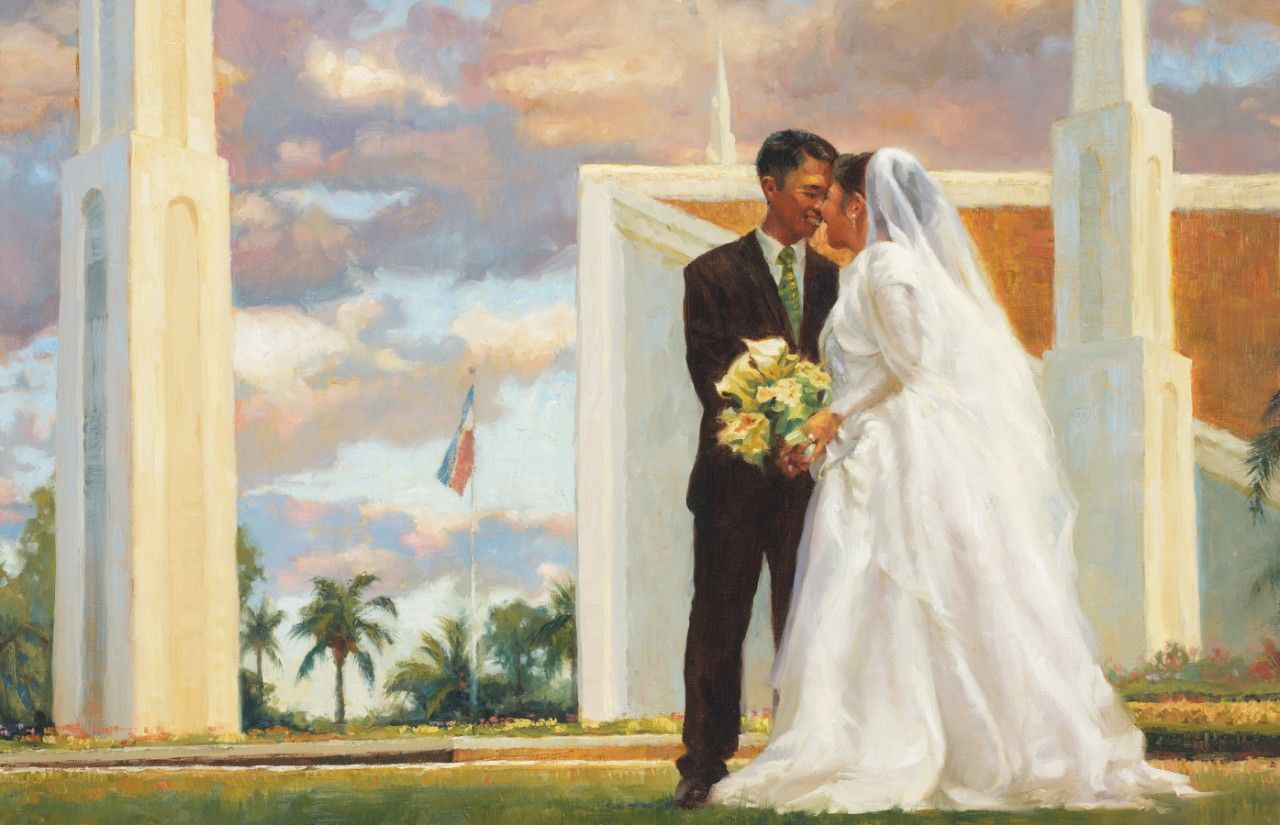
(1117, 392)
(146, 627)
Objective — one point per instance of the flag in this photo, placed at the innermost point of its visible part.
(459, 461)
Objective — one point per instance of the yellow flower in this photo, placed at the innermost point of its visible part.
(745, 433)
(787, 392)
(814, 375)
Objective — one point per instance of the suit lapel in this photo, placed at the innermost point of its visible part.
(753, 263)
(818, 298)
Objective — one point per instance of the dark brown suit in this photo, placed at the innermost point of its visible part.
(741, 515)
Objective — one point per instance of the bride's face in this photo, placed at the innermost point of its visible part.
(846, 221)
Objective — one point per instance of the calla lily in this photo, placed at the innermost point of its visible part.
(740, 382)
(766, 352)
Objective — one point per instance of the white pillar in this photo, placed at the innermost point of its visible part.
(1118, 393)
(146, 627)
(601, 460)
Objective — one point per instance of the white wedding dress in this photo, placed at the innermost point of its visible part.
(936, 655)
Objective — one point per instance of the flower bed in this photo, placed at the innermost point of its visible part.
(671, 724)
(1234, 715)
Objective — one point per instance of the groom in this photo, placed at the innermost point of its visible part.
(766, 284)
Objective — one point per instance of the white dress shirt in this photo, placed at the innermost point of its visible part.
(771, 247)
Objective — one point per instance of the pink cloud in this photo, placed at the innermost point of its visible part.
(8, 491)
(461, 158)
(304, 513)
(307, 254)
(301, 157)
(39, 73)
(32, 428)
(433, 532)
(396, 574)
(641, 74)
(10, 515)
(426, 542)
(563, 526)
(28, 262)
(278, 436)
(525, 344)
(551, 574)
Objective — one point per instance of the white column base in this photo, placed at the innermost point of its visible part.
(1122, 413)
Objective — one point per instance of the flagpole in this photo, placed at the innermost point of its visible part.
(475, 623)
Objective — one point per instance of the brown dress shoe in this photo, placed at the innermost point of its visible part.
(691, 793)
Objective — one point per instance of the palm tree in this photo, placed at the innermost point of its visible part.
(337, 617)
(440, 675)
(1263, 459)
(559, 631)
(258, 633)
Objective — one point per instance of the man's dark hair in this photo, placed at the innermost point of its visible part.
(782, 152)
(850, 171)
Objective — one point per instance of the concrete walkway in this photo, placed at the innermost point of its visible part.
(406, 751)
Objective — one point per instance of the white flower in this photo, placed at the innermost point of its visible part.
(766, 352)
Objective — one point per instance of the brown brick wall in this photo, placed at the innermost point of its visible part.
(1226, 288)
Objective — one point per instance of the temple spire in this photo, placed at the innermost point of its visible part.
(1110, 54)
(723, 148)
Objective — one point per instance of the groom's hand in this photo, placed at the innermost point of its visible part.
(792, 461)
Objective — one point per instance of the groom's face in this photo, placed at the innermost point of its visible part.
(796, 202)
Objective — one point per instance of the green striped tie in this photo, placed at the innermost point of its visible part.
(790, 289)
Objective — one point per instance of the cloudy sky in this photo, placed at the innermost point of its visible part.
(403, 208)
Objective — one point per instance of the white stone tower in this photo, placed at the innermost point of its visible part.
(1118, 393)
(146, 627)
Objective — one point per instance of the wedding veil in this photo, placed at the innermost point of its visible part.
(972, 351)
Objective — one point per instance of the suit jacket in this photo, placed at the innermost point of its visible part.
(731, 295)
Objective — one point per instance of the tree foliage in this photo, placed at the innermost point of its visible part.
(26, 618)
(339, 621)
(437, 678)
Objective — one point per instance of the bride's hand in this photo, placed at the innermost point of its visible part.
(821, 428)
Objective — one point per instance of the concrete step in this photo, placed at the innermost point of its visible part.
(405, 751)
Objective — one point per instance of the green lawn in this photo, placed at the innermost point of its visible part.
(494, 794)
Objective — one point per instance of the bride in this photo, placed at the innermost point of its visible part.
(936, 654)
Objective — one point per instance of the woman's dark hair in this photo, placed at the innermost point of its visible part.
(781, 151)
(850, 171)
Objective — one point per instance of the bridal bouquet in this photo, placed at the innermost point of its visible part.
(773, 391)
